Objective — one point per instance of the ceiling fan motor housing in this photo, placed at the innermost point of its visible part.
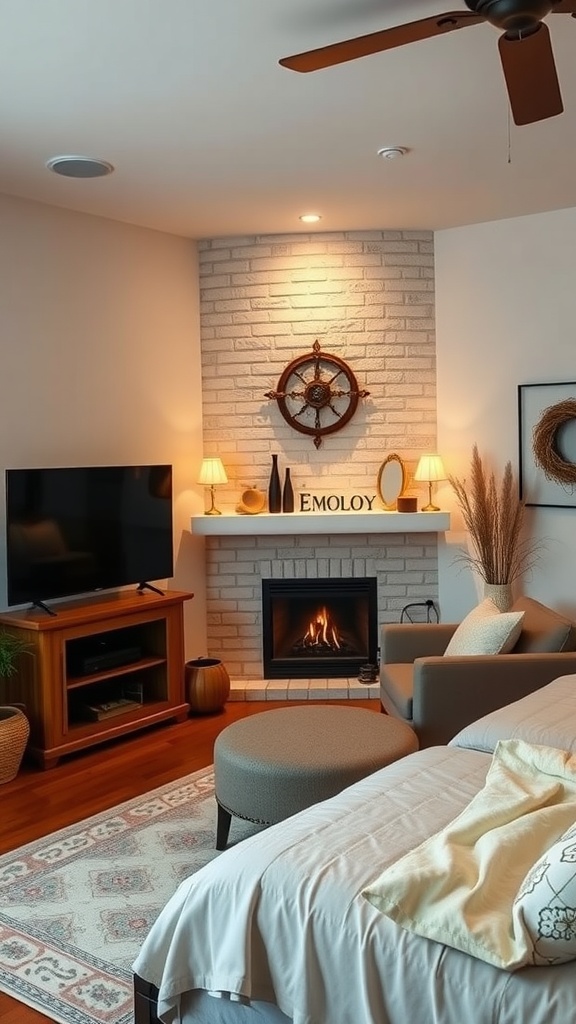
(512, 15)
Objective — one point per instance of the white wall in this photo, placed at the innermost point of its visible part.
(506, 310)
(100, 360)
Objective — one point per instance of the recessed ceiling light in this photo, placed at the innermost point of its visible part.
(310, 218)
(79, 166)
(392, 152)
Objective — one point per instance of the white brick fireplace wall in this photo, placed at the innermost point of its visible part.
(368, 297)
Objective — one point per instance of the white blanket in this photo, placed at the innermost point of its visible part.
(280, 917)
(459, 886)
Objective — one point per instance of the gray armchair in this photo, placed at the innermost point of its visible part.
(439, 695)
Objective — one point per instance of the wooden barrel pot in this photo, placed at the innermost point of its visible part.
(207, 685)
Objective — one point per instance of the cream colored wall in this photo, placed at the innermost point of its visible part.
(100, 360)
(506, 310)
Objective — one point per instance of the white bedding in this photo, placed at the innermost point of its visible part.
(281, 917)
(547, 716)
(461, 885)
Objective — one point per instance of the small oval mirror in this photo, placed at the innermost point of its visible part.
(391, 480)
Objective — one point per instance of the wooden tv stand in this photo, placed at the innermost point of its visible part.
(88, 659)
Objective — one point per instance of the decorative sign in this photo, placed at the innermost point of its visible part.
(336, 502)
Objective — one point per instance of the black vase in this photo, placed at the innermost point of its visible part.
(274, 488)
(288, 494)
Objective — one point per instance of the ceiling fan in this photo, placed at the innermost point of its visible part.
(525, 49)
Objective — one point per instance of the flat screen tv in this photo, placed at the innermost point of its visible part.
(77, 530)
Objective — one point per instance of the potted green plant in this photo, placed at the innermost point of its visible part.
(493, 514)
(14, 725)
(11, 647)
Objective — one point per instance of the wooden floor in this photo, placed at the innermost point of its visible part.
(39, 802)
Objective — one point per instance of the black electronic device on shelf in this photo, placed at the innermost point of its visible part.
(104, 660)
(101, 652)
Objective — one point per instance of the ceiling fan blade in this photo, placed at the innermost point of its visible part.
(565, 7)
(388, 39)
(531, 78)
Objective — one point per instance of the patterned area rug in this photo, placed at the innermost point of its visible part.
(76, 905)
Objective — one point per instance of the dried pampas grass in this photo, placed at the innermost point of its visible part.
(494, 516)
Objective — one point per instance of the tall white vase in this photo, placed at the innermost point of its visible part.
(500, 594)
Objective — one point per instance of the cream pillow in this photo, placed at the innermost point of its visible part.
(545, 907)
(486, 630)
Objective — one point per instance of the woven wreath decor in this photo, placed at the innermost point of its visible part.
(545, 442)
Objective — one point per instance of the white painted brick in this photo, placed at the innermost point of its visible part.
(362, 259)
(214, 280)
(367, 297)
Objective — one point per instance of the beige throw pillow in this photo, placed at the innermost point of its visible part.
(486, 630)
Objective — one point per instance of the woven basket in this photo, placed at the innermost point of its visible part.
(14, 733)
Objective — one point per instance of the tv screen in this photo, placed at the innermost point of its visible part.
(72, 531)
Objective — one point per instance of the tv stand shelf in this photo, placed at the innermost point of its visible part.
(114, 673)
(133, 643)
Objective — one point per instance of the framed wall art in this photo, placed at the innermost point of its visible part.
(547, 439)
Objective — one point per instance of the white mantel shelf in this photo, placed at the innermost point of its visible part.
(294, 523)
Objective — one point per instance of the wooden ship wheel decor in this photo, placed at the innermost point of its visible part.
(317, 394)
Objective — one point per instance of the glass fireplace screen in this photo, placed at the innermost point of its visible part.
(318, 628)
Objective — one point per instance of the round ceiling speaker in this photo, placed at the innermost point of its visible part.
(392, 152)
(79, 166)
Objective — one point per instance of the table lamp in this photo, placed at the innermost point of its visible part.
(212, 472)
(430, 469)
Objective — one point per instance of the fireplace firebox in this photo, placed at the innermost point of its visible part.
(316, 628)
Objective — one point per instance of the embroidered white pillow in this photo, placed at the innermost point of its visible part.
(486, 630)
(545, 907)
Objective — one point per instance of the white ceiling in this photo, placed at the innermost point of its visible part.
(210, 137)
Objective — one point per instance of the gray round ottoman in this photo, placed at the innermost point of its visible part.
(275, 763)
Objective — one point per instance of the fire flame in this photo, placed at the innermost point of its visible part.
(322, 631)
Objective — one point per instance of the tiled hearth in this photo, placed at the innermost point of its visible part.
(303, 689)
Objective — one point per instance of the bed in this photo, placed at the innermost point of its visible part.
(278, 930)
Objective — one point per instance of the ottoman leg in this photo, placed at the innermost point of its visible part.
(222, 827)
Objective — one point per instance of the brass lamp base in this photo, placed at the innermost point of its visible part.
(212, 511)
(430, 507)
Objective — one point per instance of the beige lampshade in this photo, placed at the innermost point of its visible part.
(430, 467)
(212, 472)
